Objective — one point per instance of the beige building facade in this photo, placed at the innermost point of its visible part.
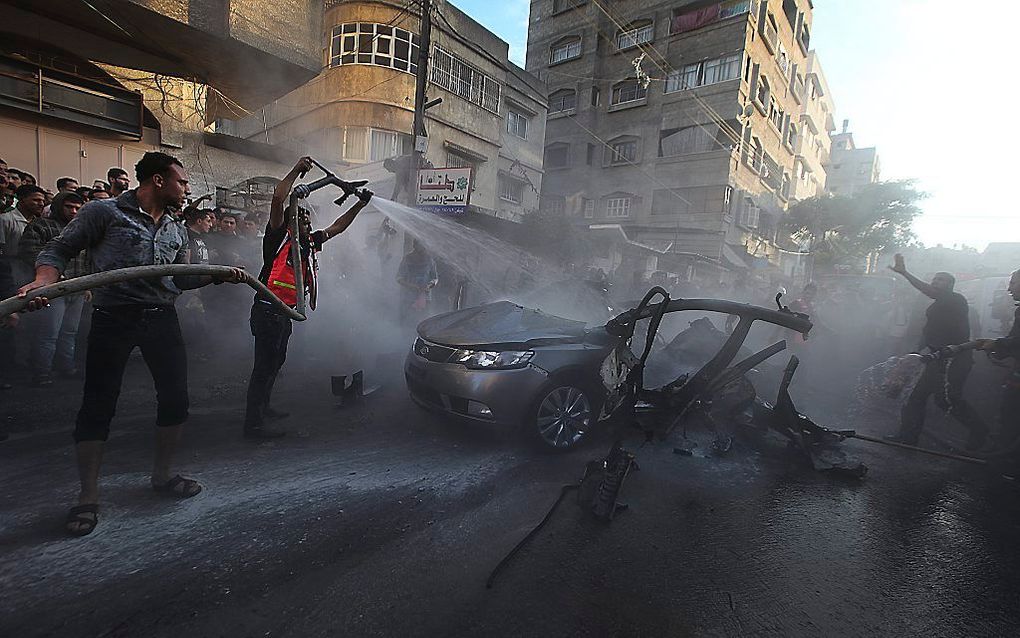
(850, 167)
(87, 95)
(358, 111)
(679, 122)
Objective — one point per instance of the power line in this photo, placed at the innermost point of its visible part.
(709, 111)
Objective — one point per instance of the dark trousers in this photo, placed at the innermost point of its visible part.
(272, 333)
(1009, 410)
(115, 332)
(944, 383)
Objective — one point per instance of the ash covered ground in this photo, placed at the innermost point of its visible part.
(384, 520)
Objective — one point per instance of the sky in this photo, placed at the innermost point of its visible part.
(929, 82)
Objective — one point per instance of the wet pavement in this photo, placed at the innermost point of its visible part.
(383, 520)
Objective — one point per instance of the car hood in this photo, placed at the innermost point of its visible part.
(501, 324)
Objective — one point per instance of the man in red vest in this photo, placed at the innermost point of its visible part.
(270, 328)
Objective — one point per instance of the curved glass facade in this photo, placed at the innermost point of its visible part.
(375, 44)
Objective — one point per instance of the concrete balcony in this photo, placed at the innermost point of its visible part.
(251, 51)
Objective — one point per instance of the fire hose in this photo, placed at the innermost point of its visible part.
(88, 282)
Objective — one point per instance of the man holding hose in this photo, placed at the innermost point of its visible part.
(134, 229)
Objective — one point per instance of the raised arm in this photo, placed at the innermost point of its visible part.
(899, 266)
(343, 222)
(283, 189)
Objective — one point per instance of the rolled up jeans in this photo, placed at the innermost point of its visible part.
(54, 334)
(116, 331)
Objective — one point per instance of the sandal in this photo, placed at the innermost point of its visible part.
(76, 516)
(179, 487)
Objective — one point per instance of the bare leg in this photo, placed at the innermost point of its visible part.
(167, 438)
(90, 457)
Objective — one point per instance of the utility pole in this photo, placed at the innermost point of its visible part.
(421, 83)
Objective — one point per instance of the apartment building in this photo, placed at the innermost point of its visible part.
(358, 111)
(813, 142)
(679, 122)
(851, 167)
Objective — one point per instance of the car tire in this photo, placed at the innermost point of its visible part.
(562, 416)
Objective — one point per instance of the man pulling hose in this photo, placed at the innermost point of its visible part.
(134, 229)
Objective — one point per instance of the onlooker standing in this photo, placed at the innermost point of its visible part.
(417, 276)
(136, 229)
(6, 192)
(947, 324)
(119, 181)
(67, 185)
(54, 330)
(99, 193)
(31, 201)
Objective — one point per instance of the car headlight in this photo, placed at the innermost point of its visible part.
(484, 360)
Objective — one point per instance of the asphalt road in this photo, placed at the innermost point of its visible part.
(382, 520)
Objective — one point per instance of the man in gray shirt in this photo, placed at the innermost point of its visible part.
(135, 229)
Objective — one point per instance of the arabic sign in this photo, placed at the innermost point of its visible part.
(444, 190)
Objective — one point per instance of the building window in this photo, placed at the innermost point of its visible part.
(750, 215)
(776, 114)
(688, 140)
(634, 36)
(566, 49)
(764, 91)
(595, 95)
(622, 151)
(376, 44)
(386, 144)
(791, 136)
(511, 189)
(517, 124)
(553, 204)
(588, 207)
(459, 77)
(590, 155)
(704, 73)
(556, 155)
(456, 160)
(628, 91)
(618, 207)
(563, 100)
(355, 143)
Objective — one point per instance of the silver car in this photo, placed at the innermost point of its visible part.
(548, 376)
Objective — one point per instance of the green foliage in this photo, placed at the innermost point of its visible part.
(876, 219)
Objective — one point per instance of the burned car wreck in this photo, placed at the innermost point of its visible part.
(555, 379)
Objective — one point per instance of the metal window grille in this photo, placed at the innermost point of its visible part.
(565, 50)
(459, 77)
(623, 152)
(510, 189)
(634, 37)
(629, 91)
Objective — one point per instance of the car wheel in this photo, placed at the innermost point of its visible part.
(562, 416)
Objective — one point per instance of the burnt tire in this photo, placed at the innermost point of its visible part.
(562, 416)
